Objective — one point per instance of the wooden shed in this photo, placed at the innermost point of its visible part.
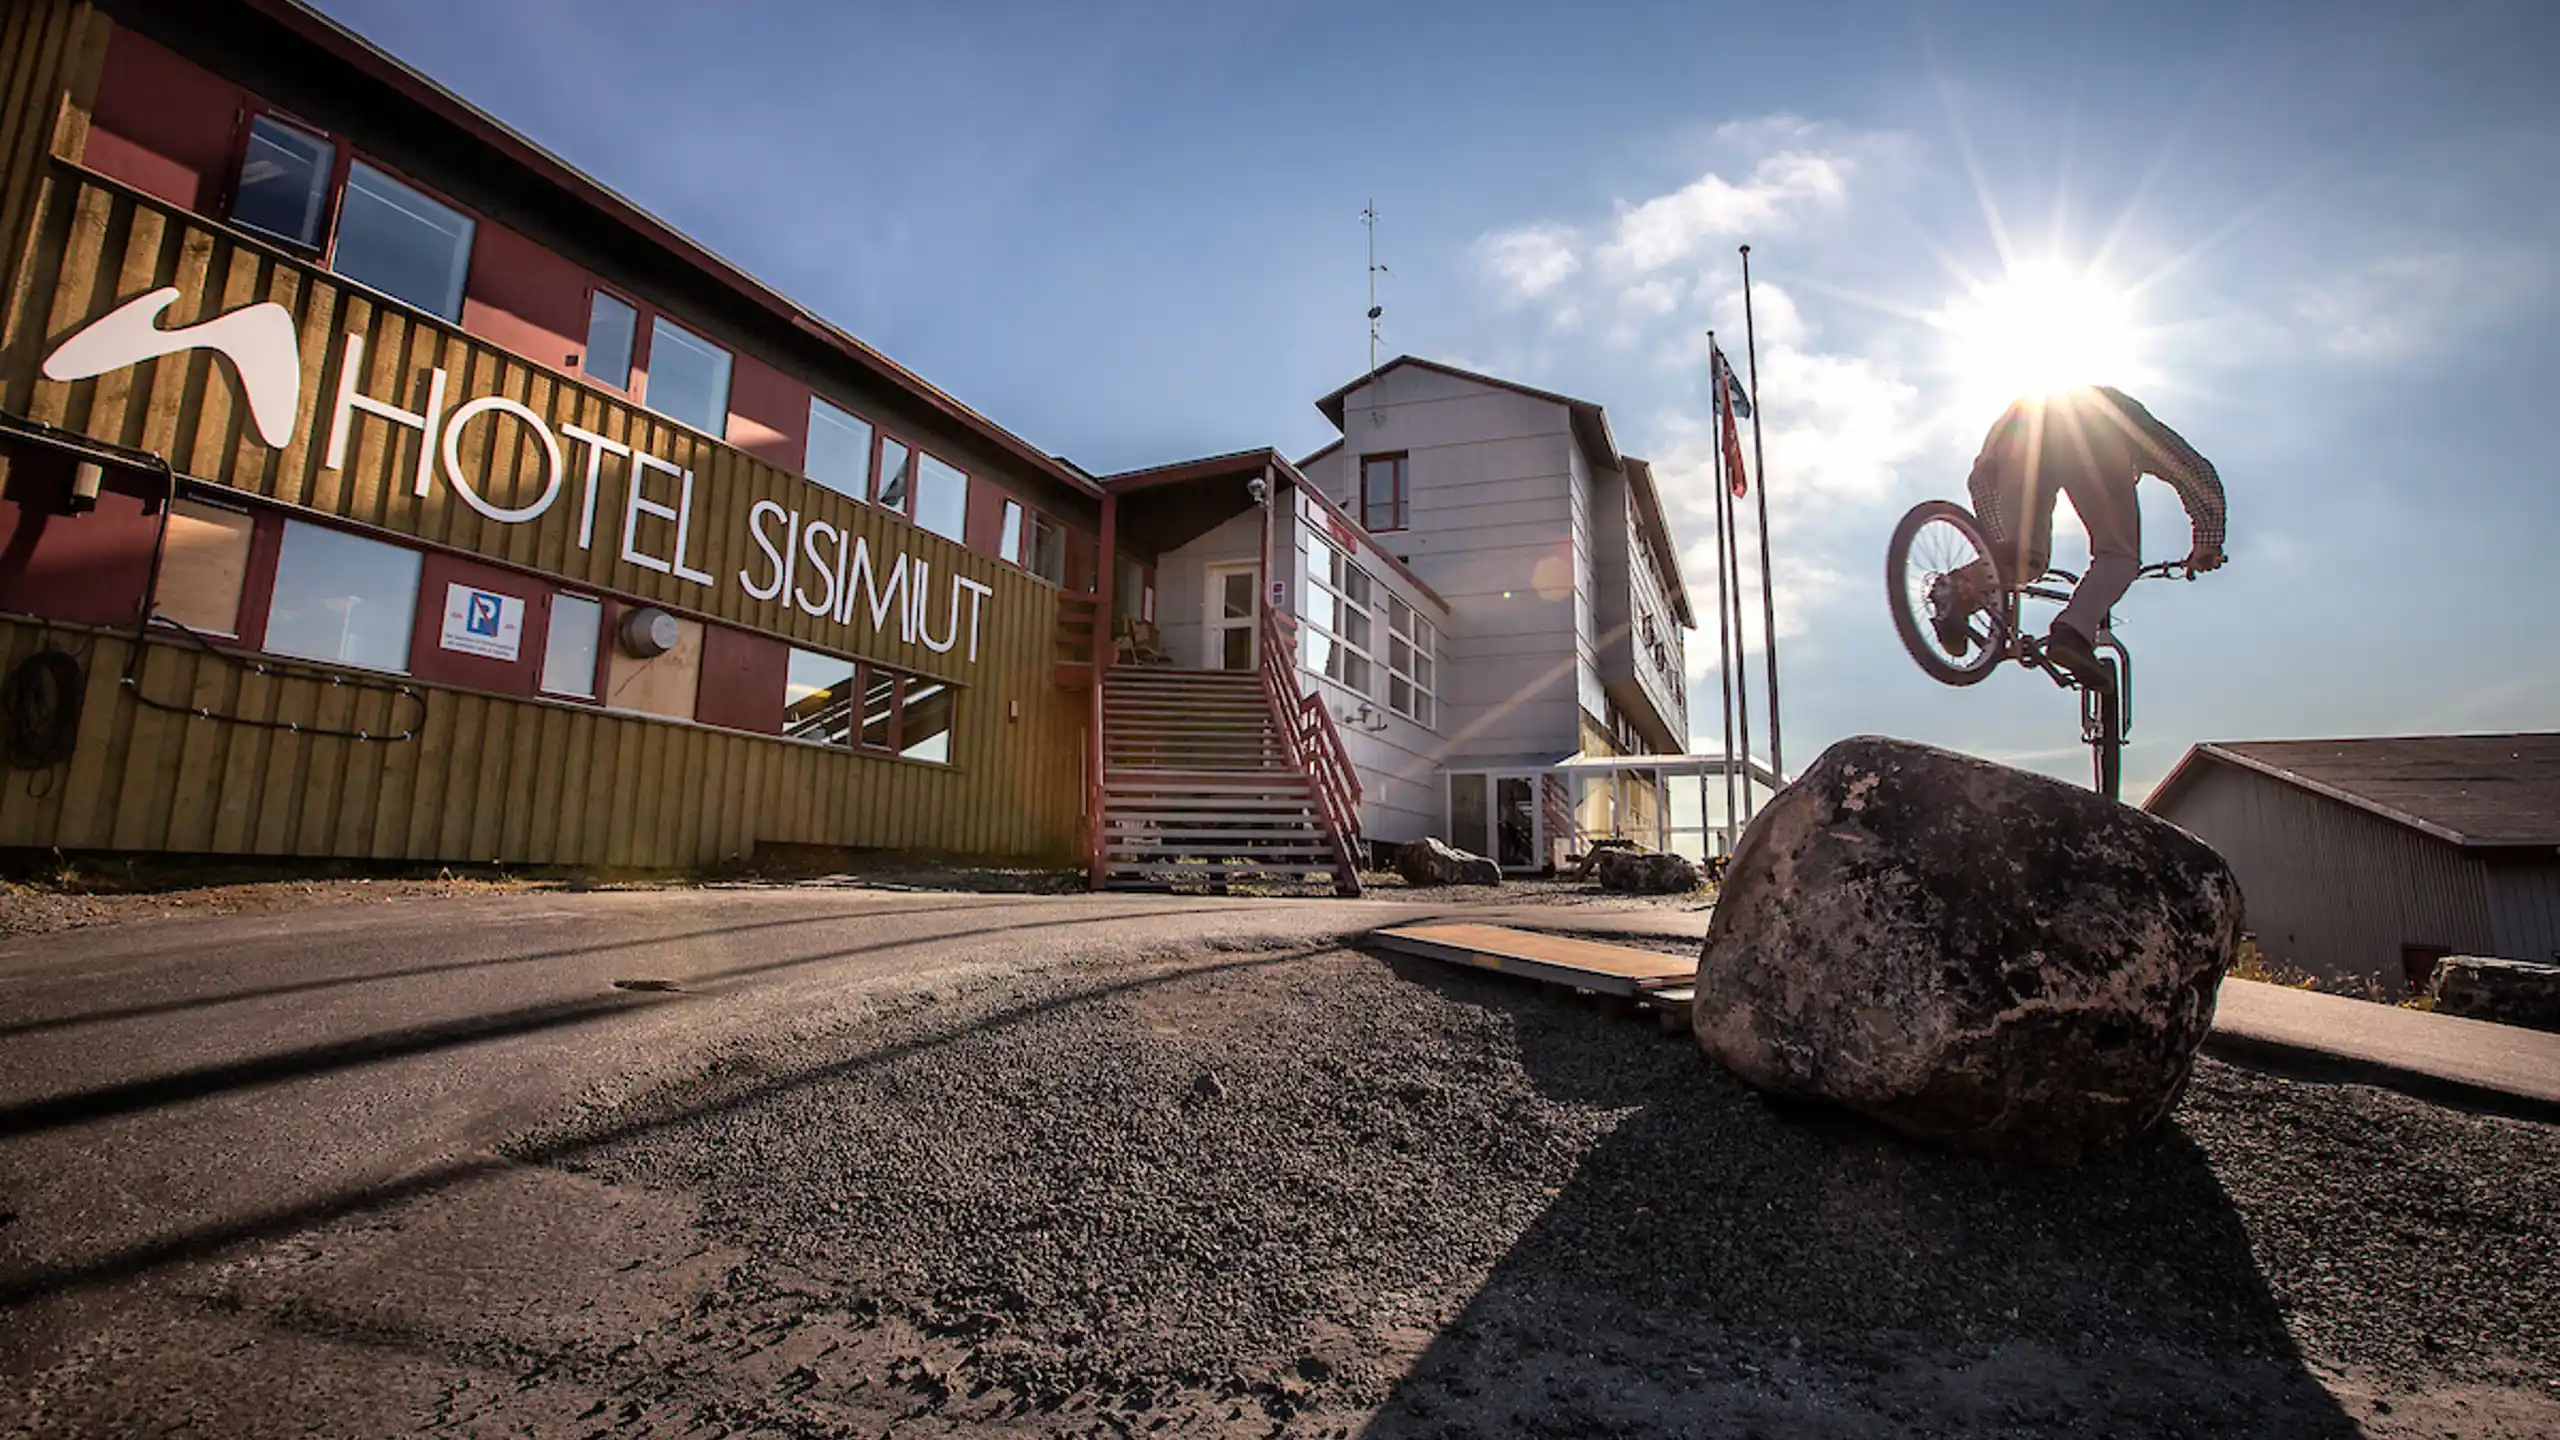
(2374, 858)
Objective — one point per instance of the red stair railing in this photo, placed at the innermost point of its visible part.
(1314, 745)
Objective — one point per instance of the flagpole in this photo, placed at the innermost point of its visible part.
(1724, 629)
(1760, 467)
(1741, 641)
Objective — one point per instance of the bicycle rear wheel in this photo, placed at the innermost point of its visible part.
(1935, 541)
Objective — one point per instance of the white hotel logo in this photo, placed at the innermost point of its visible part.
(260, 343)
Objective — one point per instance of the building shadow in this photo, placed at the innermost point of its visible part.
(1720, 1265)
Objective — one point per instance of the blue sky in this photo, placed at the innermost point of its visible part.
(1130, 232)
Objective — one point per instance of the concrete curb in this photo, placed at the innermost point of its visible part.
(2472, 1064)
(2310, 1062)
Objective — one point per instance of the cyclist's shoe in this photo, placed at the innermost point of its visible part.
(1948, 614)
(2073, 651)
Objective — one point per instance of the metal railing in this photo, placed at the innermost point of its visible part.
(1314, 745)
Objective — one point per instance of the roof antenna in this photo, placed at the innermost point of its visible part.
(1369, 218)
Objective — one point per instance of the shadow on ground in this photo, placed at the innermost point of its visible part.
(1719, 1265)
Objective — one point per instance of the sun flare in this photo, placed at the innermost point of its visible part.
(2039, 329)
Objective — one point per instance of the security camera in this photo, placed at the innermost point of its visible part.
(1258, 489)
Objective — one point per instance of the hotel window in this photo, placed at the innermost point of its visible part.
(688, 378)
(1048, 550)
(897, 477)
(569, 650)
(942, 499)
(1412, 645)
(343, 599)
(829, 700)
(395, 239)
(204, 568)
(1009, 541)
(924, 720)
(818, 696)
(1341, 609)
(879, 709)
(284, 182)
(611, 327)
(1382, 493)
(839, 449)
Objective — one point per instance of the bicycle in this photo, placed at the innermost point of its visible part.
(1933, 549)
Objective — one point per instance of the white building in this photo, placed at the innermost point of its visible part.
(1479, 590)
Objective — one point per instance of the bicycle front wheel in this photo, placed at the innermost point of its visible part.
(1937, 540)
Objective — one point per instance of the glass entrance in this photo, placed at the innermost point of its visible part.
(1230, 620)
(1467, 814)
(1515, 814)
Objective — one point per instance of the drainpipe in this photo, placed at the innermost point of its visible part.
(1264, 577)
(1107, 562)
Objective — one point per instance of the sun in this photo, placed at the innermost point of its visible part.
(2039, 329)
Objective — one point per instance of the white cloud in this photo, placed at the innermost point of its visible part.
(2408, 306)
(1668, 229)
(1645, 284)
(1530, 261)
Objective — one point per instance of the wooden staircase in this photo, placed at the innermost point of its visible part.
(1200, 786)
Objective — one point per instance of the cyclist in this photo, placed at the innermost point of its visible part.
(2092, 443)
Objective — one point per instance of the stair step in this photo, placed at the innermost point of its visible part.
(1179, 780)
(1217, 806)
(1215, 872)
(1220, 808)
(1209, 849)
(1187, 713)
(1211, 828)
(1142, 758)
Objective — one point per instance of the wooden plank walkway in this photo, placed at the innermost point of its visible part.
(1582, 964)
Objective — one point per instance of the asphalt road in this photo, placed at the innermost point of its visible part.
(170, 1086)
(252, 1171)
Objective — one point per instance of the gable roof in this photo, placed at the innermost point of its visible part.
(2476, 791)
(1591, 428)
(383, 68)
(1240, 464)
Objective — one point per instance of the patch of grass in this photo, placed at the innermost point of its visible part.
(2252, 964)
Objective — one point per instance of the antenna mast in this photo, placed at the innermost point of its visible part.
(1369, 218)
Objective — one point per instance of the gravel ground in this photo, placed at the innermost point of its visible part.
(1530, 890)
(79, 898)
(1325, 1193)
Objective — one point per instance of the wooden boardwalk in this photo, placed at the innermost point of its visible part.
(1581, 964)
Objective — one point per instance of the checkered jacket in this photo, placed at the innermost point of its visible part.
(2106, 429)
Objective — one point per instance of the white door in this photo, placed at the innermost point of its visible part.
(1229, 622)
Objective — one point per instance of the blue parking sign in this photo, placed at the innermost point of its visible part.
(483, 623)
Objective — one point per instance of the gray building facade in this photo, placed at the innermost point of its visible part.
(2368, 859)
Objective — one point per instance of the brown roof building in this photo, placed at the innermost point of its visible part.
(2375, 857)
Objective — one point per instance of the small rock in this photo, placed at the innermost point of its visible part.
(2508, 992)
(1637, 872)
(1428, 862)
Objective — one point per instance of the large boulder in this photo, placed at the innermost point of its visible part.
(1970, 954)
(1428, 862)
(1641, 872)
(2510, 992)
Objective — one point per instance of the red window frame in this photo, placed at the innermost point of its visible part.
(640, 315)
(342, 157)
(863, 670)
(881, 440)
(1396, 507)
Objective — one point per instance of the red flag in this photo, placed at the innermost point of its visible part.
(1735, 475)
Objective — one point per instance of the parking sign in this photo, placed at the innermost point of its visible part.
(483, 622)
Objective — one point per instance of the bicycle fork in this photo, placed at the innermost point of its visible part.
(2106, 716)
